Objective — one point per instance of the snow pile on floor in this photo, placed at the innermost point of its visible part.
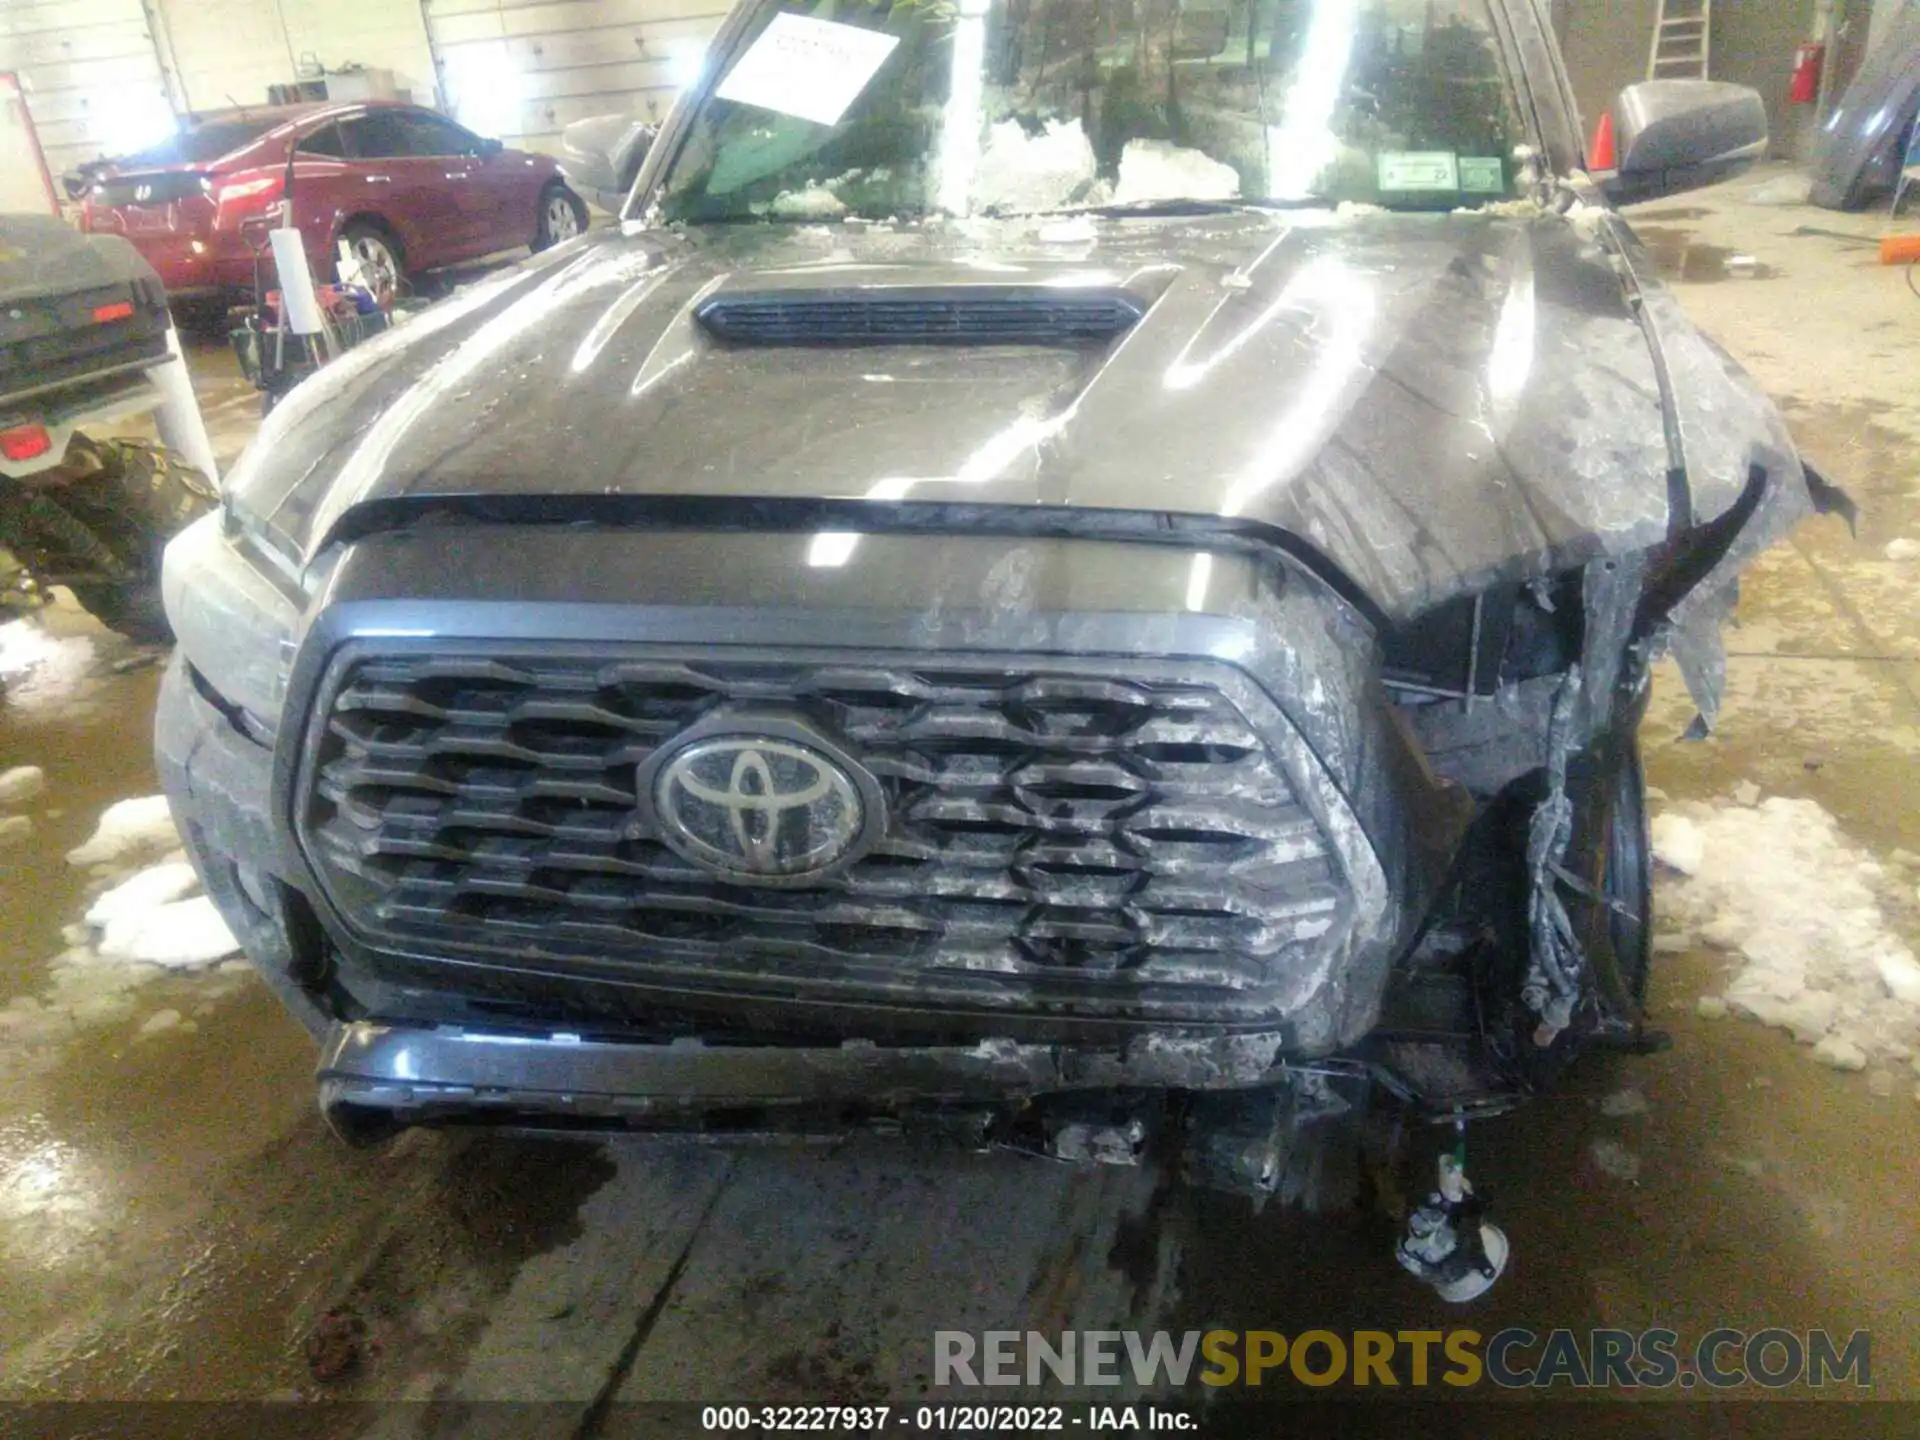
(22, 784)
(84, 990)
(41, 670)
(1780, 889)
(1614, 1159)
(1158, 170)
(183, 934)
(157, 916)
(159, 885)
(1018, 171)
(150, 920)
(129, 831)
(24, 645)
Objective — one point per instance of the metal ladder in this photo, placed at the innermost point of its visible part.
(1682, 46)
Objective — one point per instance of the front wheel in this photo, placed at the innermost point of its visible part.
(1611, 851)
(380, 259)
(1605, 883)
(1626, 881)
(562, 216)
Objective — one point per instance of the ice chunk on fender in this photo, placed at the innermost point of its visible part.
(182, 935)
(130, 828)
(158, 885)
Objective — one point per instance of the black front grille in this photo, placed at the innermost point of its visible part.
(1079, 833)
(970, 315)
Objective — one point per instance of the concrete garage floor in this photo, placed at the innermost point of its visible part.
(174, 1222)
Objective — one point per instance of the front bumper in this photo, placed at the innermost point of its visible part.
(420, 1074)
(418, 1033)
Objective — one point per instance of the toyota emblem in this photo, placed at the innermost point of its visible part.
(764, 808)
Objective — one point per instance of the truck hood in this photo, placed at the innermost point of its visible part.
(1429, 402)
(41, 256)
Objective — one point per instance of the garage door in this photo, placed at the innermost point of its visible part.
(91, 74)
(525, 71)
(228, 52)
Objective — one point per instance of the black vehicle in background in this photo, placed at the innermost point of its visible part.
(83, 328)
(1076, 576)
(1865, 142)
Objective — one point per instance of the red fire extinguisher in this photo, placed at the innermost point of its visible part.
(1807, 61)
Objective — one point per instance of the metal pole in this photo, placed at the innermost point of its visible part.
(178, 419)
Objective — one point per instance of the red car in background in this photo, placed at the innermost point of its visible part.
(407, 189)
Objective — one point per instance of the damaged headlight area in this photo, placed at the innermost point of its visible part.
(1527, 697)
(1475, 645)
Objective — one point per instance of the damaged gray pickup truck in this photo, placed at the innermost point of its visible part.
(1078, 574)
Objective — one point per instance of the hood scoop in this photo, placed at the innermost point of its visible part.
(923, 315)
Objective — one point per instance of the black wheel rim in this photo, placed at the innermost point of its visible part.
(1627, 882)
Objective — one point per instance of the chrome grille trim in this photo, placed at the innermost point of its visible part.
(1079, 831)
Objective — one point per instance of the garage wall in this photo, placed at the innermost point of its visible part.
(526, 69)
(229, 51)
(91, 74)
(1753, 43)
(225, 52)
(380, 34)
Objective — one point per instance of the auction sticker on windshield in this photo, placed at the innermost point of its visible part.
(1482, 175)
(1419, 170)
(813, 69)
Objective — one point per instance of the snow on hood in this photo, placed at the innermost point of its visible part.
(1159, 170)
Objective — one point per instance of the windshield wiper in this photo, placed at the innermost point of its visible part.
(1184, 205)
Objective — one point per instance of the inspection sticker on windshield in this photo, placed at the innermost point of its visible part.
(1482, 175)
(811, 68)
(1419, 170)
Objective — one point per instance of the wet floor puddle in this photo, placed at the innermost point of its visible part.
(1678, 256)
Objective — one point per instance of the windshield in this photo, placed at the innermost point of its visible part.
(901, 108)
(204, 142)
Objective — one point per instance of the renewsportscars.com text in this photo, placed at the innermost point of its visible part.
(1514, 1358)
